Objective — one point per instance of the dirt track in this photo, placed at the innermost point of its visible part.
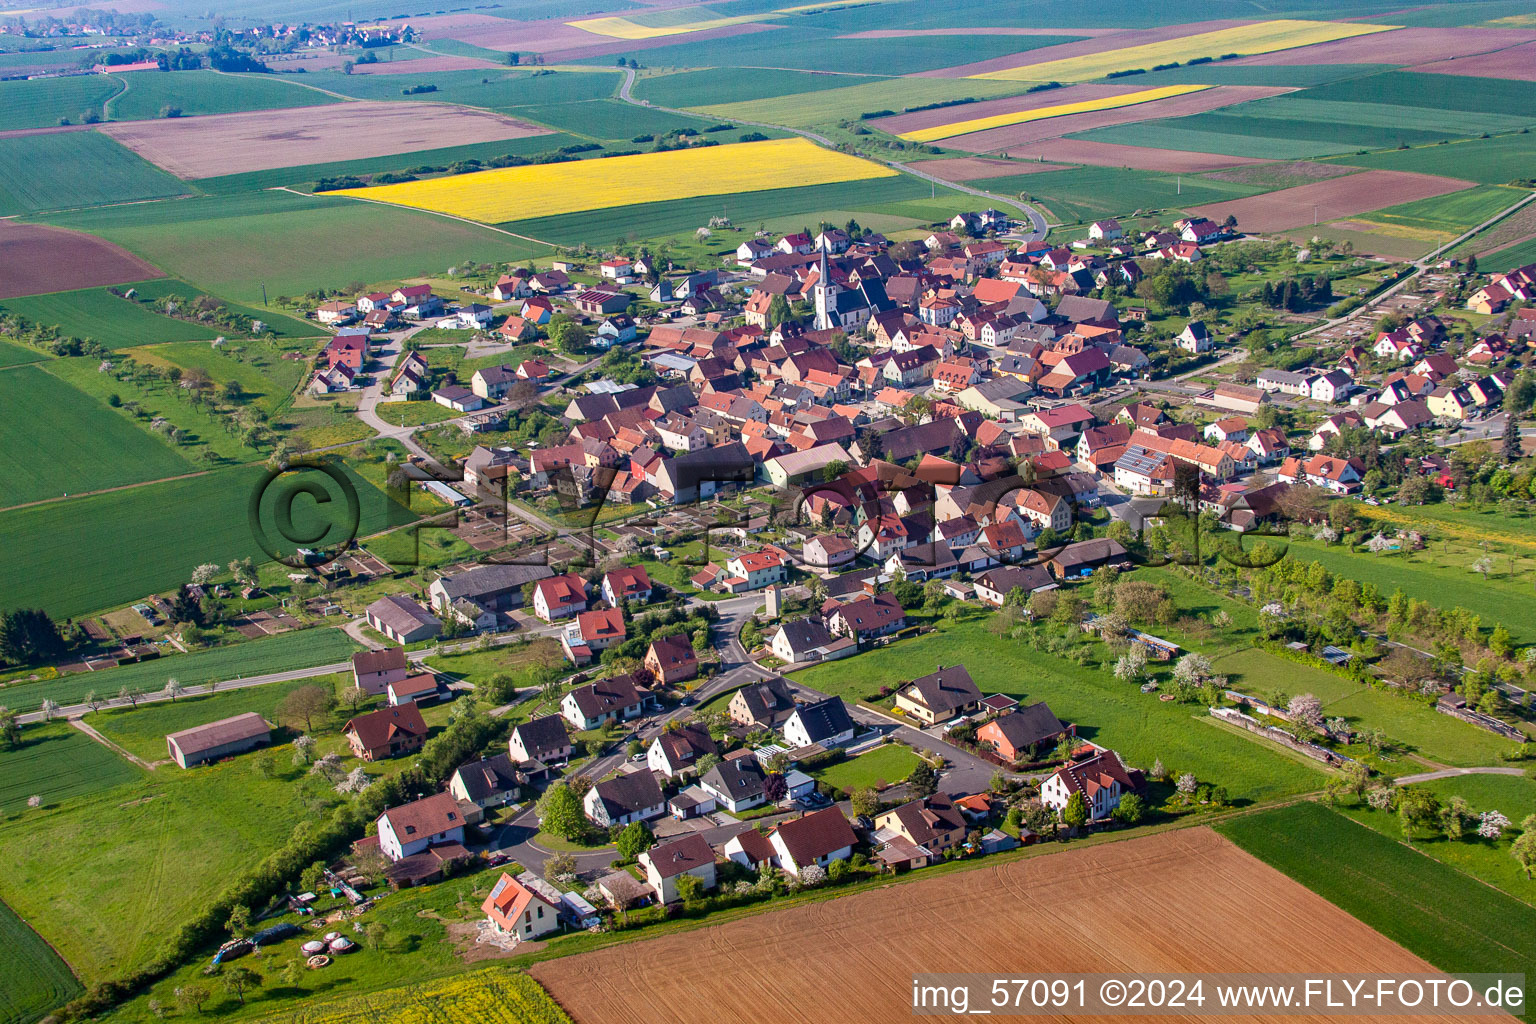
(971, 168)
(36, 259)
(204, 147)
(1330, 200)
(1107, 154)
(1183, 901)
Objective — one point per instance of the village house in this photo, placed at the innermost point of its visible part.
(736, 783)
(818, 838)
(491, 782)
(754, 570)
(559, 597)
(513, 908)
(666, 862)
(994, 585)
(592, 632)
(939, 696)
(543, 740)
(387, 732)
(372, 671)
(1102, 780)
(608, 700)
(933, 823)
(1023, 732)
(763, 705)
(624, 799)
(867, 618)
(676, 751)
(825, 722)
(411, 828)
(671, 659)
(799, 641)
(417, 689)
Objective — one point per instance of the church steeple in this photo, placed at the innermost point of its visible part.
(823, 294)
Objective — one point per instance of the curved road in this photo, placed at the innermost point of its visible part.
(1036, 221)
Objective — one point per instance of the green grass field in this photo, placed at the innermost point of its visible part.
(1440, 92)
(100, 316)
(57, 762)
(505, 89)
(1484, 859)
(306, 174)
(1111, 713)
(608, 119)
(1210, 137)
(1295, 75)
(888, 764)
(266, 378)
(1416, 727)
(785, 208)
(33, 980)
(860, 96)
(280, 324)
(710, 86)
(12, 354)
(284, 652)
(1453, 921)
(1510, 257)
(59, 441)
(142, 731)
(1089, 193)
(208, 92)
(146, 539)
(178, 840)
(292, 244)
(1449, 214)
(56, 171)
(43, 102)
(1494, 161)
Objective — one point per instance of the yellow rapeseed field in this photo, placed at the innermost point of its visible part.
(1259, 37)
(978, 124)
(492, 996)
(543, 190)
(624, 28)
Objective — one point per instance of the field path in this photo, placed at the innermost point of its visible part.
(106, 104)
(104, 490)
(79, 723)
(1036, 220)
(1450, 773)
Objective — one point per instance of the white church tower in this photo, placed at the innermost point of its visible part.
(825, 296)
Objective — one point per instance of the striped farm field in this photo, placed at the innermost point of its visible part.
(626, 28)
(1246, 40)
(978, 124)
(518, 193)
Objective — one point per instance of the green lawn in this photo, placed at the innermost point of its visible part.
(65, 169)
(1139, 726)
(142, 730)
(233, 245)
(1484, 859)
(33, 980)
(280, 324)
(1416, 727)
(60, 441)
(58, 762)
(1510, 257)
(711, 86)
(478, 88)
(1453, 921)
(114, 322)
(1210, 137)
(1464, 93)
(888, 764)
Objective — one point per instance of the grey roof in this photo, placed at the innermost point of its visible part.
(492, 579)
(768, 697)
(805, 634)
(489, 777)
(627, 794)
(948, 689)
(400, 613)
(1005, 578)
(1031, 724)
(543, 736)
(824, 719)
(1078, 308)
(739, 778)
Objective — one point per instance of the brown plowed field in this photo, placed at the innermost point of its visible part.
(1185, 901)
(35, 259)
(1097, 44)
(965, 30)
(1007, 105)
(204, 147)
(995, 140)
(1514, 62)
(1401, 46)
(1330, 200)
(1107, 154)
(969, 168)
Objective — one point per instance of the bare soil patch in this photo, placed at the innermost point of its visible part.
(204, 147)
(995, 140)
(1182, 901)
(1108, 154)
(35, 259)
(1399, 46)
(1515, 62)
(1284, 174)
(1007, 105)
(1331, 200)
(969, 168)
(1097, 44)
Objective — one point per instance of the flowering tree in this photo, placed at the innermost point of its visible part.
(1193, 669)
(1132, 665)
(1377, 544)
(303, 750)
(1306, 709)
(355, 781)
(1187, 783)
(1326, 534)
(1491, 824)
(204, 574)
(812, 875)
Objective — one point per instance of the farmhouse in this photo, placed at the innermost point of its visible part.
(401, 619)
(373, 671)
(216, 740)
(626, 583)
(387, 732)
(494, 588)
(492, 782)
(559, 597)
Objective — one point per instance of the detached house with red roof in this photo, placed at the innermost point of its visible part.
(593, 632)
(387, 732)
(627, 583)
(608, 700)
(559, 597)
(671, 659)
(411, 828)
(755, 570)
(1102, 780)
(514, 909)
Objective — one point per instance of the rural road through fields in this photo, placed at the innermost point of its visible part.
(1451, 773)
(1036, 220)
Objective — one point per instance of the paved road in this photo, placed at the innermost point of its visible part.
(1037, 223)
